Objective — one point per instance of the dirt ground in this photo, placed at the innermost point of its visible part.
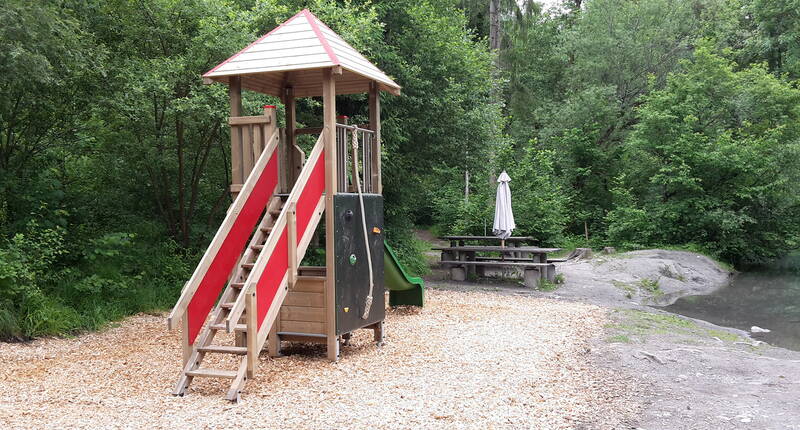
(471, 360)
(690, 374)
(701, 376)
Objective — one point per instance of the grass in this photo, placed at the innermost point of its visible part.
(633, 325)
(629, 289)
(651, 286)
(618, 338)
(545, 285)
(647, 285)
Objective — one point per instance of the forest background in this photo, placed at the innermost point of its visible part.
(622, 123)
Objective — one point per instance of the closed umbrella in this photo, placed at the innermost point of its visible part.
(503, 215)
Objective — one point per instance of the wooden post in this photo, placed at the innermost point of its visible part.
(273, 340)
(187, 349)
(291, 226)
(293, 165)
(252, 331)
(329, 132)
(247, 151)
(375, 125)
(237, 177)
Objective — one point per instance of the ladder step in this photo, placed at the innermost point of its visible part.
(212, 373)
(266, 230)
(224, 349)
(248, 266)
(238, 327)
(228, 305)
(237, 285)
(257, 247)
(275, 212)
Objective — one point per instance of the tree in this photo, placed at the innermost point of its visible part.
(778, 41)
(48, 69)
(158, 116)
(714, 161)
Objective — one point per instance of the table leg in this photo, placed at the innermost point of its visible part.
(470, 256)
(447, 256)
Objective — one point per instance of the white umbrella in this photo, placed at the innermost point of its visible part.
(503, 215)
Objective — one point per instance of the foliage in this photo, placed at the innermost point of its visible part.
(647, 123)
(714, 160)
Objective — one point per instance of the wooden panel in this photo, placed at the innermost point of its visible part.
(269, 54)
(284, 63)
(243, 120)
(299, 41)
(303, 327)
(289, 36)
(297, 298)
(311, 271)
(310, 284)
(308, 339)
(302, 313)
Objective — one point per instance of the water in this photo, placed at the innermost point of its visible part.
(768, 298)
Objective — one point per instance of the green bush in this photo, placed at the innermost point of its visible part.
(713, 160)
(45, 290)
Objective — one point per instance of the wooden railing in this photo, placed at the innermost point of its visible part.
(248, 135)
(276, 266)
(365, 168)
(211, 275)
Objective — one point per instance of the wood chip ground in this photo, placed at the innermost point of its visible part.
(467, 361)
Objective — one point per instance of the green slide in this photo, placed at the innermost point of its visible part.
(403, 289)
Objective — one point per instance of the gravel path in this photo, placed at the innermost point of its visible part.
(468, 360)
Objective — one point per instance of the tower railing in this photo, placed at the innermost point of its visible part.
(347, 167)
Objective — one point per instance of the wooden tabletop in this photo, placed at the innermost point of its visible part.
(492, 248)
(510, 239)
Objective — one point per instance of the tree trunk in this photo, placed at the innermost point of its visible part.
(494, 25)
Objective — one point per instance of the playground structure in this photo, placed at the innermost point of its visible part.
(249, 281)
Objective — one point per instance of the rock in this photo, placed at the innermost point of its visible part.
(609, 250)
(757, 329)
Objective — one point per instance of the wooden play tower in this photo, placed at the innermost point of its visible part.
(249, 281)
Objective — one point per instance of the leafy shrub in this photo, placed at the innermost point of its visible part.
(713, 160)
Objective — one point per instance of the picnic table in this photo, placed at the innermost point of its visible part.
(464, 259)
(513, 241)
(461, 240)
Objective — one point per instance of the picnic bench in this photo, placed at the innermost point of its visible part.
(464, 259)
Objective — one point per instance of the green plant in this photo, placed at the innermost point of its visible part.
(650, 285)
(629, 290)
(545, 285)
(559, 279)
(618, 338)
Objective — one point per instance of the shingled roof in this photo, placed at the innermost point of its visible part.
(293, 54)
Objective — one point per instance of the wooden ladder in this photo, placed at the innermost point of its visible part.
(235, 293)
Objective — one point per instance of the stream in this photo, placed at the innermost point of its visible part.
(768, 297)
